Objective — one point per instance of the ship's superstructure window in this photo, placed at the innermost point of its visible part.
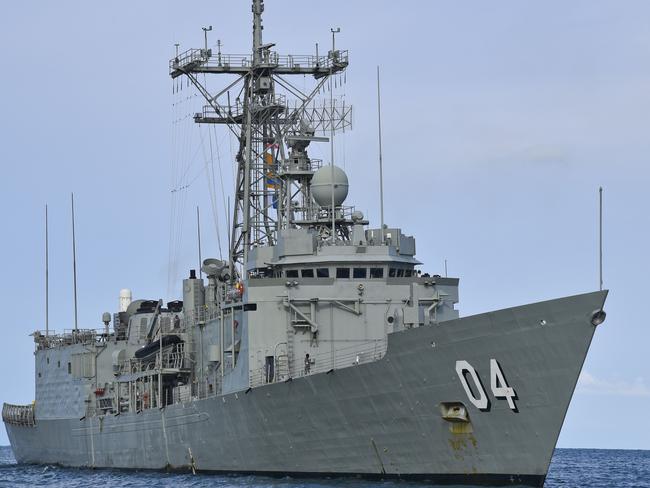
(315, 273)
(398, 272)
(69, 368)
(342, 272)
(401, 272)
(322, 272)
(376, 272)
(359, 273)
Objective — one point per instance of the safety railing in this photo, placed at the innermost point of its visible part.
(235, 112)
(231, 113)
(344, 357)
(18, 415)
(209, 58)
(187, 58)
(50, 339)
(200, 315)
(173, 357)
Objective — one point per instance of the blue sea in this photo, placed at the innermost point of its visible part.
(571, 468)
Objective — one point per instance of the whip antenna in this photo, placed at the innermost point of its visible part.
(198, 232)
(600, 236)
(47, 278)
(74, 265)
(334, 32)
(381, 162)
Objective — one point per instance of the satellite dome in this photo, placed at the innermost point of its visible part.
(322, 182)
(213, 267)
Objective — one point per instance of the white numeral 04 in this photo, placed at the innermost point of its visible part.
(498, 385)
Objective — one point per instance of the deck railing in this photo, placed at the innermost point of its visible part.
(18, 415)
(173, 357)
(51, 339)
(345, 357)
(209, 58)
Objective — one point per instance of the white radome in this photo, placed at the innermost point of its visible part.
(321, 186)
(125, 299)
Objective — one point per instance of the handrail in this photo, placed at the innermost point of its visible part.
(173, 357)
(354, 355)
(22, 415)
(68, 337)
(211, 59)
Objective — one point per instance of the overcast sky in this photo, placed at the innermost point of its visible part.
(501, 120)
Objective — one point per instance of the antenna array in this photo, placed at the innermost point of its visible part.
(273, 168)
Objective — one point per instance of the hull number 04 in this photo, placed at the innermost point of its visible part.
(476, 393)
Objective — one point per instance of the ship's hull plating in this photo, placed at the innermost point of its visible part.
(381, 419)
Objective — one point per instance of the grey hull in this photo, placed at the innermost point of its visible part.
(378, 419)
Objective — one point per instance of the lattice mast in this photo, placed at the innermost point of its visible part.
(273, 169)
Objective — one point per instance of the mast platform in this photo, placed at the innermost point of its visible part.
(204, 61)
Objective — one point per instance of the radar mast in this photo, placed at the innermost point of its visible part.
(274, 121)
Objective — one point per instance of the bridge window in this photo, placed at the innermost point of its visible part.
(376, 273)
(292, 273)
(392, 272)
(322, 272)
(342, 272)
(400, 273)
(408, 272)
(307, 273)
(359, 273)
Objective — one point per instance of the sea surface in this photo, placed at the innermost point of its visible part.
(571, 468)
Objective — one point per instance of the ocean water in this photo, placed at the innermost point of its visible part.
(571, 468)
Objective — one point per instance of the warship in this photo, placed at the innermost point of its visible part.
(318, 347)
